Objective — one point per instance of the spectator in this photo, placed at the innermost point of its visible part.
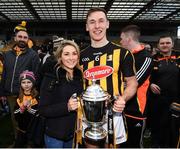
(16, 60)
(26, 105)
(165, 87)
(62, 78)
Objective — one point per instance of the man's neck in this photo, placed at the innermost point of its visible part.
(134, 45)
(98, 44)
(166, 54)
(18, 48)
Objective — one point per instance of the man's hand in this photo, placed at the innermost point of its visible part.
(119, 104)
(155, 89)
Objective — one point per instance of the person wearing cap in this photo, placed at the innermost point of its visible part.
(26, 105)
(16, 60)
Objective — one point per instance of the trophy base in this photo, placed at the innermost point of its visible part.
(90, 143)
(95, 136)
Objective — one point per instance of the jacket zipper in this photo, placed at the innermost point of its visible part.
(14, 73)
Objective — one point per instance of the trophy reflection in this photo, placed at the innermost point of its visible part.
(94, 108)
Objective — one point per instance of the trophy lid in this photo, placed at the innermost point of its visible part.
(95, 92)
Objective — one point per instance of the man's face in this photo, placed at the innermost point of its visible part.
(124, 40)
(21, 39)
(165, 45)
(97, 24)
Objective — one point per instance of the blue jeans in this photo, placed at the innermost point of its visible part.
(55, 143)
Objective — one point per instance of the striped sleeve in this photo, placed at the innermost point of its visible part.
(145, 69)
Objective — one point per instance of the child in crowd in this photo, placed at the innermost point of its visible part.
(26, 103)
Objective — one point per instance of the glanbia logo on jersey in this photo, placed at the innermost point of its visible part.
(98, 72)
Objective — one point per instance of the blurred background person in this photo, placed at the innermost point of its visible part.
(165, 87)
(135, 109)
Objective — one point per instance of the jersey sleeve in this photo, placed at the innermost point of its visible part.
(128, 65)
(144, 69)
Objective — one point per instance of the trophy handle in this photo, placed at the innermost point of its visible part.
(81, 104)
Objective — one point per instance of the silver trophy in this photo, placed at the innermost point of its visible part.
(94, 108)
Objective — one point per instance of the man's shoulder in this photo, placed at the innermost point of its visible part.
(144, 53)
(123, 51)
(31, 51)
(9, 53)
(176, 53)
(85, 49)
(117, 46)
(113, 44)
(110, 45)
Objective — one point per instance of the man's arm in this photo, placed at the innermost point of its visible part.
(131, 88)
(144, 70)
(129, 92)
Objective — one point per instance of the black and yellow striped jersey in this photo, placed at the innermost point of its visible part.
(120, 59)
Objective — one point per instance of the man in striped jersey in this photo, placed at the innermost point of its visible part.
(135, 108)
(102, 52)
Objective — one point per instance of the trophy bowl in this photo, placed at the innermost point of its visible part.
(94, 111)
(94, 108)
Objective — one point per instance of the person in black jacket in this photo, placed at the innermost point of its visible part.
(165, 95)
(61, 80)
(16, 60)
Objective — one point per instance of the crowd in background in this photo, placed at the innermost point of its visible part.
(48, 66)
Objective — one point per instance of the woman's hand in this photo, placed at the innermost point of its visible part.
(72, 104)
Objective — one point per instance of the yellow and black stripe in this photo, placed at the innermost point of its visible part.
(120, 59)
